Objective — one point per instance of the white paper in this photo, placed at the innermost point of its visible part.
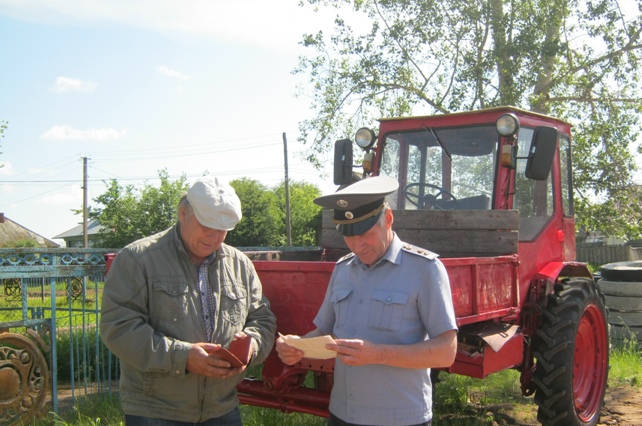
(313, 347)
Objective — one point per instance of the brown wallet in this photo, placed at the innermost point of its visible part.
(238, 353)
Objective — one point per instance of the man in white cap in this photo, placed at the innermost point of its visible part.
(172, 302)
(389, 308)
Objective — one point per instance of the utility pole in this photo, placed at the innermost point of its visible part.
(288, 230)
(84, 203)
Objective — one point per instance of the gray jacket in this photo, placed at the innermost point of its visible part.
(151, 315)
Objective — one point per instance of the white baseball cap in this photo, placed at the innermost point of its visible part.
(215, 203)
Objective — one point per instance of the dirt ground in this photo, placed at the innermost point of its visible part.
(622, 407)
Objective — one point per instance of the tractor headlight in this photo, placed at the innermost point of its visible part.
(508, 125)
(365, 138)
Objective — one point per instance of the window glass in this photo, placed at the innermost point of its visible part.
(566, 175)
(533, 198)
(390, 166)
(445, 169)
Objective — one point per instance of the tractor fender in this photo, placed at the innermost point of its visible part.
(551, 271)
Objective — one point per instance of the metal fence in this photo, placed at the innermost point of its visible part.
(49, 340)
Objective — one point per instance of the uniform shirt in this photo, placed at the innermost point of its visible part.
(404, 298)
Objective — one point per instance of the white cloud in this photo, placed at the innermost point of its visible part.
(6, 169)
(273, 24)
(66, 84)
(172, 73)
(69, 133)
(71, 195)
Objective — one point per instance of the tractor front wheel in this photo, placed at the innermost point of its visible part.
(572, 353)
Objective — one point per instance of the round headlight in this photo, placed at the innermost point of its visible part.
(507, 125)
(365, 138)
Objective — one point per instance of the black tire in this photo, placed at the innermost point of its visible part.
(572, 352)
(621, 288)
(622, 271)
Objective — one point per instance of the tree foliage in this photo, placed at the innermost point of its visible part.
(305, 216)
(575, 59)
(21, 243)
(127, 214)
(264, 214)
(262, 223)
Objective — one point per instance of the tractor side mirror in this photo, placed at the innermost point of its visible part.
(541, 153)
(342, 162)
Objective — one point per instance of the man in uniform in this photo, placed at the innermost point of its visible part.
(389, 308)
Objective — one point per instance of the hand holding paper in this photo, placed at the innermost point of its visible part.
(313, 347)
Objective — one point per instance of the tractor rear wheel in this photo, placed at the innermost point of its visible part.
(572, 352)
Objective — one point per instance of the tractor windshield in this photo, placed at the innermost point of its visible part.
(446, 169)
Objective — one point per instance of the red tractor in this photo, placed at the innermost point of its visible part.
(491, 192)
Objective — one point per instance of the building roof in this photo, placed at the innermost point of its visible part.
(10, 232)
(93, 228)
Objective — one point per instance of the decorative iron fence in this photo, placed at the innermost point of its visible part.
(49, 312)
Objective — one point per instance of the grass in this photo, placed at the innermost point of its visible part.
(458, 400)
(93, 411)
(625, 363)
(67, 314)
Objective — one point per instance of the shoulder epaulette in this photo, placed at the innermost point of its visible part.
(346, 257)
(419, 251)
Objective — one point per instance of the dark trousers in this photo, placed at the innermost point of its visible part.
(233, 418)
(335, 421)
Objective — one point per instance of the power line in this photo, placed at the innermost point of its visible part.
(31, 198)
(251, 143)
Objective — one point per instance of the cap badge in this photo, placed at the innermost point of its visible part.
(349, 215)
(342, 203)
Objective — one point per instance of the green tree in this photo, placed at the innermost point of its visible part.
(262, 223)
(22, 243)
(127, 214)
(575, 59)
(305, 216)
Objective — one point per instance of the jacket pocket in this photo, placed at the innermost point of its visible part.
(149, 383)
(234, 303)
(387, 310)
(340, 300)
(170, 301)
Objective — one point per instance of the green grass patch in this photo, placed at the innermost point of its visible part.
(625, 362)
(496, 399)
(90, 357)
(88, 411)
(73, 308)
(458, 400)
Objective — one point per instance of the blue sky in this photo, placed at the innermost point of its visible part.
(136, 86)
(191, 86)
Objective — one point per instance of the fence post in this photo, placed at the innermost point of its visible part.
(54, 353)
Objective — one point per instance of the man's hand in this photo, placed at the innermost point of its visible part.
(288, 354)
(437, 352)
(355, 352)
(202, 360)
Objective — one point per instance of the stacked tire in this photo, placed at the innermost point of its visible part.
(621, 284)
